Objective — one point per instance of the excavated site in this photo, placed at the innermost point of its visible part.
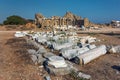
(59, 55)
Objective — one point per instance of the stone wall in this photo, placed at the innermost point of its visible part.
(66, 20)
(86, 22)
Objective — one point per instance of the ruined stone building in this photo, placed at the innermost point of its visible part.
(68, 19)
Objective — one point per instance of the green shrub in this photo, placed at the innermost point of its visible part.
(15, 20)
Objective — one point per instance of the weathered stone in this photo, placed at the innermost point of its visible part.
(79, 75)
(60, 71)
(47, 78)
(41, 51)
(91, 46)
(34, 58)
(40, 59)
(115, 49)
(47, 55)
(67, 20)
(86, 22)
(57, 62)
(90, 55)
(31, 51)
(84, 76)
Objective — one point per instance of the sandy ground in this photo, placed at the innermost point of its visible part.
(16, 65)
(101, 30)
(106, 67)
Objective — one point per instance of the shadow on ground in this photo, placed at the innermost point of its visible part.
(116, 67)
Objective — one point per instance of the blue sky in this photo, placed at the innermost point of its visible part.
(98, 11)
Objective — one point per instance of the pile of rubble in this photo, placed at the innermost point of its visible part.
(71, 49)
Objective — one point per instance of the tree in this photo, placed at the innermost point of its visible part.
(15, 20)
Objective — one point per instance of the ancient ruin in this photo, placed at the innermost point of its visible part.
(69, 19)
